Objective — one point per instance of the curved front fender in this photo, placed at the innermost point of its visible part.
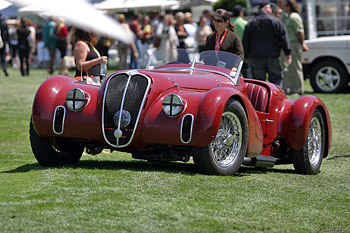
(82, 124)
(207, 108)
(211, 108)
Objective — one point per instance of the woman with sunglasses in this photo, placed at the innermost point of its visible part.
(224, 38)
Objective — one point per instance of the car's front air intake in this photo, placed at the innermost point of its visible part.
(58, 120)
(125, 93)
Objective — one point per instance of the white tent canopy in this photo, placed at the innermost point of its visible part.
(82, 14)
(122, 5)
(29, 10)
(4, 4)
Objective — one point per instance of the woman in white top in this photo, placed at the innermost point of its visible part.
(168, 38)
(191, 29)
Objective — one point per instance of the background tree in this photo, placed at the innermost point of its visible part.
(228, 4)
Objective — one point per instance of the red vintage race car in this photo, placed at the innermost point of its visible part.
(181, 106)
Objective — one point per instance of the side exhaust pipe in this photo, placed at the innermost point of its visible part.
(260, 161)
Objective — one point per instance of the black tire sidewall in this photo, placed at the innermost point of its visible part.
(46, 155)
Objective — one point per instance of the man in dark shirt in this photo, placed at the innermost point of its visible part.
(263, 39)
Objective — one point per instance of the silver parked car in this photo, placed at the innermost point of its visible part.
(327, 63)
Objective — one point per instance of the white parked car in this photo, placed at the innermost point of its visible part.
(327, 63)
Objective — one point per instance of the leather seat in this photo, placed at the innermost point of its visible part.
(258, 96)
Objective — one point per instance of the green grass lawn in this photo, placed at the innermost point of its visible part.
(114, 193)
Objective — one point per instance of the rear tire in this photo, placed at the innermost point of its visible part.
(54, 151)
(308, 160)
(225, 154)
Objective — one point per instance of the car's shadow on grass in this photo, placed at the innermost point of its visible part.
(246, 171)
(185, 168)
(143, 166)
(338, 157)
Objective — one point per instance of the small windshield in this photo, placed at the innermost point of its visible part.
(171, 56)
(219, 59)
(181, 56)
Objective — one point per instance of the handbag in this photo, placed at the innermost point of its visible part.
(91, 80)
(69, 61)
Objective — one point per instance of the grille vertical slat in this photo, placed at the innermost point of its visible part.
(134, 96)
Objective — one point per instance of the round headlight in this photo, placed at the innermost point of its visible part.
(76, 99)
(173, 105)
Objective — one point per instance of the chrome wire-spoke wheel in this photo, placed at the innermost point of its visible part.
(328, 78)
(314, 141)
(225, 154)
(228, 141)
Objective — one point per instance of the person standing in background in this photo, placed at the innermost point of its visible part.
(238, 20)
(62, 44)
(209, 15)
(13, 42)
(136, 29)
(43, 56)
(50, 41)
(276, 10)
(146, 38)
(87, 58)
(293, 82)
(224, 38)
(168, 38)
(240, 24)
(190, 28)
(182, 34)
(263, 39)
(4, 49)
(123, 48)
(31, 40)
(202, 32)
(23, 33)
(180, 29)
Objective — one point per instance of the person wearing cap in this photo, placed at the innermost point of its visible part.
(263, 39)
(293, 83)
(224, 38)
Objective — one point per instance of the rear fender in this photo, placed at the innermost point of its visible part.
(296, 121)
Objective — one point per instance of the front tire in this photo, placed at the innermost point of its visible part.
(308, 160)
(329, 77)
(225, 154)
(54, 151)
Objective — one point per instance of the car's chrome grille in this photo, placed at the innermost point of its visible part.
(134, 97)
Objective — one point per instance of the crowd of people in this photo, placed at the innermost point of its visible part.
(270, 43)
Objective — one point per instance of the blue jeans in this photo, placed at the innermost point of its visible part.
(134, 63)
